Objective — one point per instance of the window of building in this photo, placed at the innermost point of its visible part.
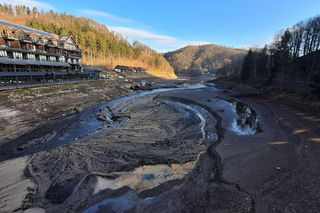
(62, 59)
(43, 58)
(34, 39)
(19, 35)
(70, 46)
(31, 56)
(8, 33)
(17, 55)
(31, 47)
(52, 58)
(45, 41)
(3, 53)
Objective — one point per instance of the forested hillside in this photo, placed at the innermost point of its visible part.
(291, 61)
(205, 58)
(101, 47)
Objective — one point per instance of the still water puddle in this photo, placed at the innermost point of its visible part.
(144, 177)
(121, 204)
(246, 121)
(140, 179)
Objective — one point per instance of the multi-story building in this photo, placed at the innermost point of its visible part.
(27, 53)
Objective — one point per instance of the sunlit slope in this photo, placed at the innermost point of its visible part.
(101, 47)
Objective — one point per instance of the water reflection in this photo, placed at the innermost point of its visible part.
(145, 177)
(142, 178)
(246, 121)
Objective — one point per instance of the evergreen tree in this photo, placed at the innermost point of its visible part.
(247, 66)
(262, 63)
(34, 11)
(28, 11)
(10, 10)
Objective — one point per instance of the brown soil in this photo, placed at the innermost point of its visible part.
(274, 169)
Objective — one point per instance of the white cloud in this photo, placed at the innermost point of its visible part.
(129, 30)
(142, 34)
(260, 43)
(29, 3)
(106, 15)
(162, 43)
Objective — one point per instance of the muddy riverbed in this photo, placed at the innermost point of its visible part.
(195, 148)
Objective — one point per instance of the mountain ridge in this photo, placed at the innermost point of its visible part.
(203, 58)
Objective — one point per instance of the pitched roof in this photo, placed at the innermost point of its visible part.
(63, 39)
(27, 29)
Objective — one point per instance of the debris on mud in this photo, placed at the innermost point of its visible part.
(142, 85)
(105, 115)
(246, 121)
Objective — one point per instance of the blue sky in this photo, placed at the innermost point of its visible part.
(170, 24)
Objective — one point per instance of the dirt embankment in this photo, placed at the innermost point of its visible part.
(311, 99)
(23, 110)
(80, 149)
(207, 149)
(152, 152)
